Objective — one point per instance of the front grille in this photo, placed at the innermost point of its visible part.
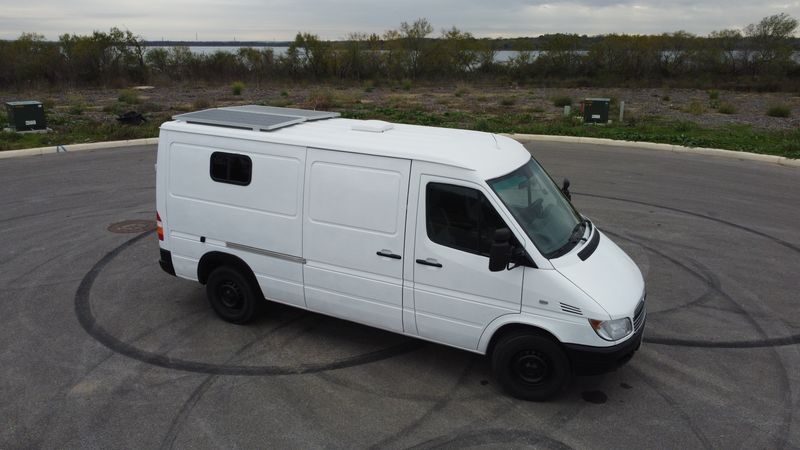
(639, 314)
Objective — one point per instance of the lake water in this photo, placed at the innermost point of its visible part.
(500, 56)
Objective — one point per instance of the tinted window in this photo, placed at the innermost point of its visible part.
(231, 168)
(461, 218)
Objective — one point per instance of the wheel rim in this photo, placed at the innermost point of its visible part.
(230, 295)
(531, 367)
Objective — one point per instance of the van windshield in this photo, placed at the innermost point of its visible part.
(540, 208)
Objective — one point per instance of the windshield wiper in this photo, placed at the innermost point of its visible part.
(575, 235)
(577, 232)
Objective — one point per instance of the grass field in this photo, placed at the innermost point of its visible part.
(691, 118)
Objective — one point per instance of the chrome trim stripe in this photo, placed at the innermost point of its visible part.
(260, 251)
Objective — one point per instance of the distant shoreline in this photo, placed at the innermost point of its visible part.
(217, 43)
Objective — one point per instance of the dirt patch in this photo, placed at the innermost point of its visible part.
(161, 102)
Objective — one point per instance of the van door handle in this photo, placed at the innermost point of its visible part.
(427, 262)
(388, 254)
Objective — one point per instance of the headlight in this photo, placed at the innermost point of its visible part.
(612, 330)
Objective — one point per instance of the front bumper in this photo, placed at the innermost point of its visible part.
(588, 360)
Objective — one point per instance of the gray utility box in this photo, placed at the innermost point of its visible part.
(26, 116)
(595, 110)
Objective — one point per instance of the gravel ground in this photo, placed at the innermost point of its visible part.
(672, 104)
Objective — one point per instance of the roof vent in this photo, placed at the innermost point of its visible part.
(372, 126)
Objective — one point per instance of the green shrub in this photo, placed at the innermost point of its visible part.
(129, 96)
(726, 108)
(461, 91)
(284, 94)
(201, 103)
(237, 87)
(508, 101)
(76, 109)
(482, 125)
(684, 126)
(321, 98)
(779, 110)
(406, 84)
(562, 101)
(713, 94)
(666, 98)
(369, 86)
(183, 107)
(695, 108)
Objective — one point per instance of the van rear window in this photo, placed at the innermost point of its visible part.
(231, 168)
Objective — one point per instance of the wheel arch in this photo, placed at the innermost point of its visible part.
(212, 260)
(510, 324)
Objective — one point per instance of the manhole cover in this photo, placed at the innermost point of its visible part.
(132, 226)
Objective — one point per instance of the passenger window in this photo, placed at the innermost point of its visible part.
(231, 168)
(460, 218)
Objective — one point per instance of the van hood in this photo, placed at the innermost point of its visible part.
(608, 275)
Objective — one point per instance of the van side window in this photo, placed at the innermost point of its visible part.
(460, 218)
(231, 168)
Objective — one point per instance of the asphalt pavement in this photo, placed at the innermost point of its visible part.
(101, 349)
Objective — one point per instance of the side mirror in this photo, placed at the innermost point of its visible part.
(500, 253)
(565, 188)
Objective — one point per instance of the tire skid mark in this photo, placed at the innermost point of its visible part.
(697, 431)
(136, 338)
(779, 241)
(670, 372)
(496, 436)
(708, 278)
(184, 412)
(436, 407)
(86, 318)
(706, 275)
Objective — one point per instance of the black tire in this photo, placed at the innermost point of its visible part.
(232, 295)
(530, 366)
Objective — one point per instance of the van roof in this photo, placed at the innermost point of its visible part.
(488, 154)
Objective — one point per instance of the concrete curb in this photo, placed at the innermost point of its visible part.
(780, 160)
(76, 147)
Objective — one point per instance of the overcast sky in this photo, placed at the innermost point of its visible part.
(282, 19)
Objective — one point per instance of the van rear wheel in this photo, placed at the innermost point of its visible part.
(530, 366)
(232, 296)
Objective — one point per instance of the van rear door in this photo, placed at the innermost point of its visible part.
(353, 234)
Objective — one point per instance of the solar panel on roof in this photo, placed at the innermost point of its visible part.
(253, 117)
(305, 113)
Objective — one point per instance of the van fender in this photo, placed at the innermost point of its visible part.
(213, 259)
(542, 324)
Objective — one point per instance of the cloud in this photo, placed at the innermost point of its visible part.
(281, 19)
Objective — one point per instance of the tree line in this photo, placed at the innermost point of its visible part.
(759, 55)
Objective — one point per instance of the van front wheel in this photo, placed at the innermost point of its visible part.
(529, 366)
(232, 295)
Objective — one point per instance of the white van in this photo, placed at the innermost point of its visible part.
(456, 237)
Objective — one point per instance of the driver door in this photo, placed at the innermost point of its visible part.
(455, 294)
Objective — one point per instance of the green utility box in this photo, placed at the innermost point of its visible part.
(595, 110)
(26, 115)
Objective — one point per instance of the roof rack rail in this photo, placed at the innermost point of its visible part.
(253, 117)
